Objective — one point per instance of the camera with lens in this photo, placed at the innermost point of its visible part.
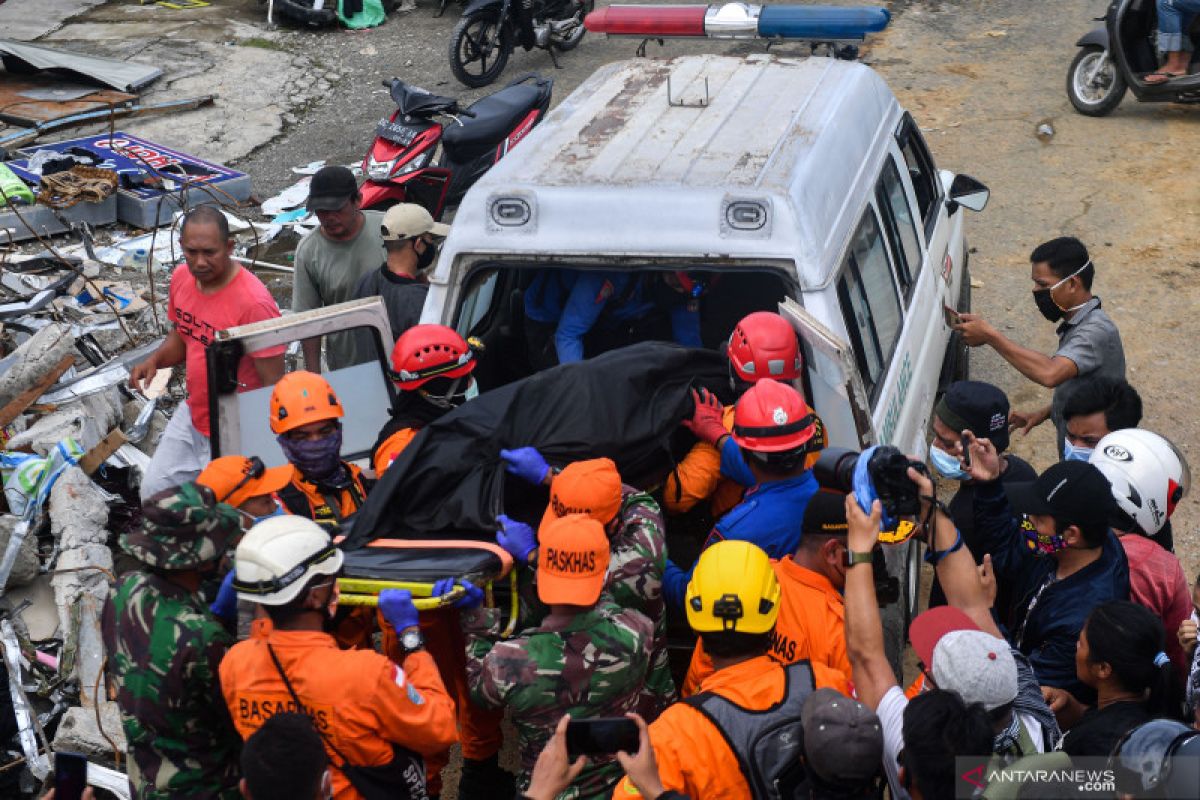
(887, 470)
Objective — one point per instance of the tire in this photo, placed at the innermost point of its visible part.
(475, 39)
(1096, 99)
(571, 42)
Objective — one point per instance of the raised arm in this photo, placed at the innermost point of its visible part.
(873, 675)
(1048, 371)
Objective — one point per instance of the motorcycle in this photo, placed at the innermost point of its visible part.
(403, 164)
(484, 38)
(1101, 73)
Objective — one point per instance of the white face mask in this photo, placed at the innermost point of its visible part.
(1064, 280)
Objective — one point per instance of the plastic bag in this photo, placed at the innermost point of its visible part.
(372, 14)
(28, 479)
(14, 188)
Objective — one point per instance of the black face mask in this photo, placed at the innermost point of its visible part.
(1047, 306)
(426, 256)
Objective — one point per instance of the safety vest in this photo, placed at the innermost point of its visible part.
(767, 743)
(306, 499)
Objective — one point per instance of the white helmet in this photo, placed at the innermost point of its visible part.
(1149, 476)
(279, 556)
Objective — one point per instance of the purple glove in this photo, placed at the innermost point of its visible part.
(707, 422)
(526, 463)
(472, 599)
(517, 538)
(224, 607)
(397, 608)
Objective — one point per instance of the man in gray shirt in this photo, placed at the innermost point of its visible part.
(1088, 340)
(331, 260)
(408, 238)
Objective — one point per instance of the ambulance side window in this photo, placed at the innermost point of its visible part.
(900, 227)
(869, 301)
(926, 185)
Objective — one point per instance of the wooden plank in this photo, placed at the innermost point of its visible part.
(25, 111)
(25, 399)
(93, 458)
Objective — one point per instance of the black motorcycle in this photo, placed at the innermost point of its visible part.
(1117, 55)
(484, 38)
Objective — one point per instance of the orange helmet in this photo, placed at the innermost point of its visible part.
(425, 352)
(301, 398)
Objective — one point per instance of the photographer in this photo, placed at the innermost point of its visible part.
(1061, 560)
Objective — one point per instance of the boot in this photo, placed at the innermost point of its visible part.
(485, 780)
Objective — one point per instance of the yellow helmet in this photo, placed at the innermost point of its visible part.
(733, 588)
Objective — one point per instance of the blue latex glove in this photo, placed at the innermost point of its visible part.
(472, 599)
(526, 463)
(397, 608)
(517, 538)
(224, 607)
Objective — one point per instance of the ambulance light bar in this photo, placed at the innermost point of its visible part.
(739, 21)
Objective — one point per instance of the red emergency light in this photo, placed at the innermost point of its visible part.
(740, 21)
(649, 21)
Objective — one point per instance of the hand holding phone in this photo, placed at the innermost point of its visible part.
(966, 450)
(952, 317)
(601, 736)
(70, 775)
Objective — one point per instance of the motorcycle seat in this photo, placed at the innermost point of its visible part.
(495, 117)
(416, 102)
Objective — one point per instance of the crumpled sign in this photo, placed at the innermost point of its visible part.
(28, 478)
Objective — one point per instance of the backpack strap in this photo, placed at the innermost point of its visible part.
(300, 707)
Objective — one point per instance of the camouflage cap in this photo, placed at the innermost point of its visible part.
(183, 528)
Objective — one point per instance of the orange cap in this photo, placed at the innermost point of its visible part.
(230, 479)
(572, 560)
(300, 398)
(586, 487)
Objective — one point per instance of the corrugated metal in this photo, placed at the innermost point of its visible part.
(124, 76)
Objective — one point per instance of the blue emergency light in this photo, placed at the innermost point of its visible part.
(739, 21)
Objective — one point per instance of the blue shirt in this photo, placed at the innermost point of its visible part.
(770, 516)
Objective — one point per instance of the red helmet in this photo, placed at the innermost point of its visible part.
(425, 352)
(772, 417)
(763, 345)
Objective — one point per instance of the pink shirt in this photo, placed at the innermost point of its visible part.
(198, 316)
(1156, 581)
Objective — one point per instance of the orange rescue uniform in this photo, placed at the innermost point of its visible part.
(361, 701)
(391, 447)
(698, 477)
(811, 625)
(693, 757)
(304, 499)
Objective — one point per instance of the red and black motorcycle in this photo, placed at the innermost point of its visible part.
(404, 164)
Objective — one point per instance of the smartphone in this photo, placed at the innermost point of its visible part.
(966, 452)
(952, 316)
(601, 736)
(70, 775)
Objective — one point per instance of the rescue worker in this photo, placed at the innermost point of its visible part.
(732, 605)
(164, 648)
(377, 717)
(762, 345)
(248, 485)
(812, 614)
(776, 432)
(634, 526)
(305, 414)
(588, 658)
(432, 368)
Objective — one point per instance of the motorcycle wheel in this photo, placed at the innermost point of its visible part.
(1097, 97)
(583, 8)
(479, 48)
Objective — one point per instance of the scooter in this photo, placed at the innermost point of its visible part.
(485, 37)
(1116, 55)
(404, 165)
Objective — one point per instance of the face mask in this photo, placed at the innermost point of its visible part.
(472, 390)
(1037, 541)
(253, 520)
(318, 460)
(1045, 299)
(426, 256)
(947, 465)
(1073, 453)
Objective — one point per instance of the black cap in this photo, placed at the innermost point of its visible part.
(330, 189)
(977, 407)
(1072, 491)
(825, 514)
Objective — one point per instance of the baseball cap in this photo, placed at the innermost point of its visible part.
(572, 562)
(963, 659)
(843, 740)
(1072, 491)
(233, 481)
(330, 189)
(591, 487)
(978, 407)
(825, 514)
(406, 220)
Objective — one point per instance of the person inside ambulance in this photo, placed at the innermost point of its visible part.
(306, 418)
(762, 345)
(378, 718)
(728, 740)
(610, 309)
(432, 366)
(776, 433)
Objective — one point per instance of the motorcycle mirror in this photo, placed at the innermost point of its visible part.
(969, 193)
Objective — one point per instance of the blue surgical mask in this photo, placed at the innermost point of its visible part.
(947, 465)
(1073, 453)
(278, 512)
(472, 390)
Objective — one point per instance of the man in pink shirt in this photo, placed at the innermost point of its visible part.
(211, 293)
(1149, 477)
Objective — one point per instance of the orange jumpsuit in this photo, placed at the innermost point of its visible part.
(811, 625)
(698, 477)
(693, 757)
(383, 705)
(304, 499)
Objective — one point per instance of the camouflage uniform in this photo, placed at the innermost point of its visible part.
(591, 665)
(164, 646)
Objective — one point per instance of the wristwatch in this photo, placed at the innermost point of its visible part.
(411, 641)
(853, 558)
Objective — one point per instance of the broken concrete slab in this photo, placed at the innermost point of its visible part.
(79, 733)
(18, 23)
(26, 566)
(86, 421)
(34, 359)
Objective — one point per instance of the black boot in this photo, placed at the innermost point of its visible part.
(485, 780)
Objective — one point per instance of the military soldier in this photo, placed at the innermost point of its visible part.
(588, 658)
(164, 647)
